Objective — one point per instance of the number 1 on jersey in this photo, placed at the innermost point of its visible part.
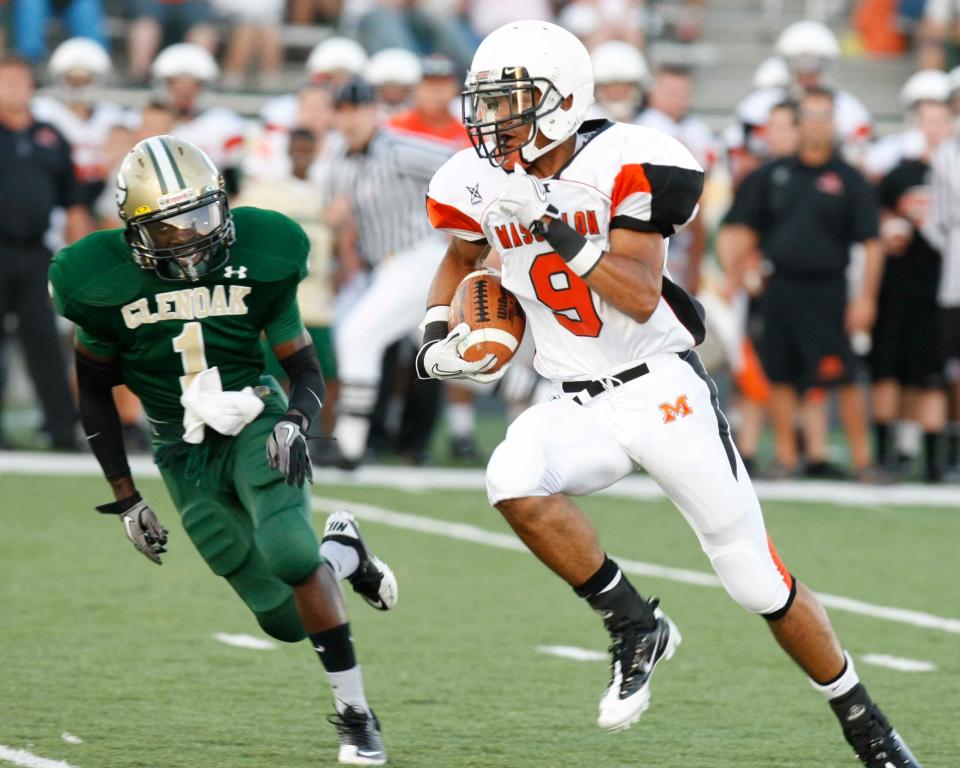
(190, 346)
(566, 294)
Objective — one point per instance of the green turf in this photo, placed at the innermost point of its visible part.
(96, 641)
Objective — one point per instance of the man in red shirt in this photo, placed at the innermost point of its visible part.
(430, 115)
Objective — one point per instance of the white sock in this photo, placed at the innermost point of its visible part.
(843, 684)
(343, 558)
(908, 438)
(351, 434)
(461, 418)
(347, 689)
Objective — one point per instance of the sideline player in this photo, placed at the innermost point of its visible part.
(173, 306)
(581, 224)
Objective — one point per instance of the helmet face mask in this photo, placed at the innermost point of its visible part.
(494, 107)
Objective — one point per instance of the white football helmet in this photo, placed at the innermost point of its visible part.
(772, 73)
(807, 45)
(925, 85)
(335, 55)
(185, 60)
(520, 76)
(619, 62)
(393, 66)
(80, 54)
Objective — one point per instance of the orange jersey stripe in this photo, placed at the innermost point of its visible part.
(631, 179)
(444, 216)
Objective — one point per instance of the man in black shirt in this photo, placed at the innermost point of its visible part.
(36, 176)
(907, 358)
(804, 213)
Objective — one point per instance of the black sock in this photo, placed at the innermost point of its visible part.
(335, 648)
(853, 708)
(619, 604)
(881, 436)
(933, 467)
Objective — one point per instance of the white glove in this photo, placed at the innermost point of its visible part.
(440, 359)
(205, 403)
(524, 198)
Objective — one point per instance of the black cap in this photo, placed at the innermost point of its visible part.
(356, 91)
(438, 65)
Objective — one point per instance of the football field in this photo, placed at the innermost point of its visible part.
(107, 661)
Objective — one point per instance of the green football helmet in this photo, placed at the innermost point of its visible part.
(172, 200)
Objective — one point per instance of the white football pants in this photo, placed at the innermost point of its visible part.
(667, 422)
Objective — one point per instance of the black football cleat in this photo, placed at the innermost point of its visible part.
(373, 580)
(635, 653)
(358, 732)
(876, 743)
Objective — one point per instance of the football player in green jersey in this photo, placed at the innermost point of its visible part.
(173, 306)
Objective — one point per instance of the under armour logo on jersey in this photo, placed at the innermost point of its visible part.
(678, 409)
(474, 191)
(238, 272)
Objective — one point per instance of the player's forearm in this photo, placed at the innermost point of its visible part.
(101, 422)
(461, 259)
(629, 284)
(735, 245)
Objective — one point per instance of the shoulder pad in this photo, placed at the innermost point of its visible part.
(96, 271)
(460, 191)
(272, 247)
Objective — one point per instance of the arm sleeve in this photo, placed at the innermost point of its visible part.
(748, 203)
(69, 192)
(866, 216)
(307, 388)
(286, 324)
(98, 414)
(657, 186)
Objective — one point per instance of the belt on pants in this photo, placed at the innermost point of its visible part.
(587, 390)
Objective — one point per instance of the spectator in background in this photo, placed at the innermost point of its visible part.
(254, 35)
(620, 78)
(429, 115)
(76, 67)
(596, 21)
(393, 73)
(906, 359)
(83, 18)
(668, 111)
(421, 26)
(160, 23)
(36, 176)
(181, 73)
(803, 213)
(938, 33)
(311, 12)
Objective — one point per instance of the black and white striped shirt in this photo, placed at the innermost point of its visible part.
(943, 226)
(387, 185)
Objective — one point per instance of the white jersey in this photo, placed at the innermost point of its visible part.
(853, 120)
(87, 138)
(217, 131)
(621, 176)
(886, 153)
(692, 132)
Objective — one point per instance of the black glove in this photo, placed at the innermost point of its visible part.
(287, 450)
(140, 524)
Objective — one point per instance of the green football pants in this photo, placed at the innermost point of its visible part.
(250, 527)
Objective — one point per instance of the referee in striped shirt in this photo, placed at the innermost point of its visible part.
(943, 231)
(378, 182)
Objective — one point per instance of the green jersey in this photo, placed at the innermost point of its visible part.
(163, 333)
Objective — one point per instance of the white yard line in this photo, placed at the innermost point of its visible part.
(897, 663)
(573, 652)
(28, 759)
(245, 641)
(424, 479)
(471, 533)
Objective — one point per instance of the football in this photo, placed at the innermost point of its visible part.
(494, 315)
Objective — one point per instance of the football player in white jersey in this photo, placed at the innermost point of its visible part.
(182, 71)
(77, 67)
(581, 212)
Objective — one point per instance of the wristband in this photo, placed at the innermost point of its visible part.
(119, 507)
(580, 254)
(435, 323)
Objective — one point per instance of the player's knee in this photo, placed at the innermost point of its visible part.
(516, 469)
(215, 539)
(283, 622)
(289, 546)
(751, 579)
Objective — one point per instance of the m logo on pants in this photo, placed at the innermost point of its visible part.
(672, 412)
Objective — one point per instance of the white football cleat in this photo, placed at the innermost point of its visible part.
(635, 654)
(373, 580)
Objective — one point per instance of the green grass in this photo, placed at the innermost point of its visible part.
(96, 641)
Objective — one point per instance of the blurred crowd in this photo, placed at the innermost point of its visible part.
(829, 269)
